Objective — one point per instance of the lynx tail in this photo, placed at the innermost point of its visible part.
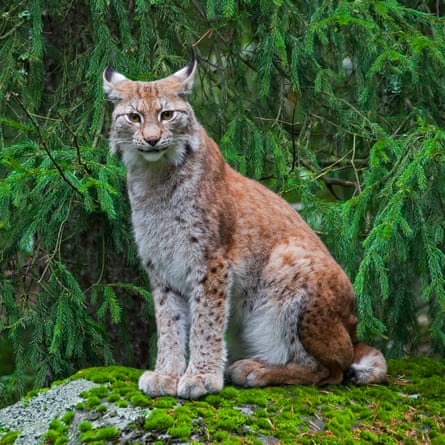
(369, 366)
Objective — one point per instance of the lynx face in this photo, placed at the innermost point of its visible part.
(152, 121)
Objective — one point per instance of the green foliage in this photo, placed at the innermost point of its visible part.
(337, 105)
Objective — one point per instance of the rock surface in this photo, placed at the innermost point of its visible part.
(104, 406)
(33, 416)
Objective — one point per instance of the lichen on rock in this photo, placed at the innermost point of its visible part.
(32, 416)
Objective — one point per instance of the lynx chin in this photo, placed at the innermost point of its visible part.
(243, 289)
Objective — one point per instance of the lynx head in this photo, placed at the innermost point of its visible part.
(152, 121)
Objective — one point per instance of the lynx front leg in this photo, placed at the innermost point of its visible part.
(171, 315)
(209, 308)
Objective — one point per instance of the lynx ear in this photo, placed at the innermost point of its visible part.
(186, 75)
(111, 79)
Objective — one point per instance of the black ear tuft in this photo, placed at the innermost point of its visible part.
(186, 75)
(108, 73)
(192, 62)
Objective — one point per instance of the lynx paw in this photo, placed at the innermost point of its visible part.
(195, 386)
(155, 384)
(248, 373)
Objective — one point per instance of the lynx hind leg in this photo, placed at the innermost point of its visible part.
(328, 354)
(253, 372)
(368, 367)
(276, 351)
(325, 336)
(274, 354)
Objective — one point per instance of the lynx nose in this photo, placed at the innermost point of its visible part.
(152, 140)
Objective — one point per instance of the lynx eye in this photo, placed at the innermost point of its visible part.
(134, 118)
(167, 115)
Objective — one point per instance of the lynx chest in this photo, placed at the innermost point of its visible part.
(167, 233)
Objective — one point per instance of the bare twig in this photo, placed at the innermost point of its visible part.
(207, 33)
(276, 120)
(338, 181)
(294, 145)
(359, 187)
(76, 144)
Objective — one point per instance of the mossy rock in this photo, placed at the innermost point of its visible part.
(410, 409)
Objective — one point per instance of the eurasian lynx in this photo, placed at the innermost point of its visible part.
(229, 261)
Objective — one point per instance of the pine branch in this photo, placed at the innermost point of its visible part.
(43, 144)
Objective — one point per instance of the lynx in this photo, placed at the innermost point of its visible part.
(243, 289)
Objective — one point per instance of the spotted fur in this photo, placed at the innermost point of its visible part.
(240, 283)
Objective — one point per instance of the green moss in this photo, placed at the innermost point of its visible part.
(51, 436)
(80, 406)
(215, 400)
(228, 419)
(113, 397)
(109, 374)
(92, 402)
(140, 400)
(264, 424)
(409, 409)
(122, 404)
(181, 431)
(85, 426)
(98, 391)
(256, 397)
(101, 408)
(99, 435)
(56, 433)
(159, 420)
(68, 417)
(9, 438)
(165, 402)
(220, 436)
(57, 425)
(229, 392)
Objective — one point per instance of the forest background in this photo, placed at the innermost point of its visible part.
(339, 106)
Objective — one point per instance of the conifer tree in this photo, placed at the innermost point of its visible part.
(336, 105)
